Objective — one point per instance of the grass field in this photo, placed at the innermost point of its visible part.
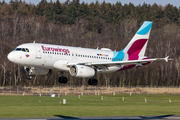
(89, 105)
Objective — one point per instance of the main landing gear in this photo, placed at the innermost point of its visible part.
(62, 79)
(92, 81)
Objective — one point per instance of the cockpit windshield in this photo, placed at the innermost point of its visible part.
(21, 49)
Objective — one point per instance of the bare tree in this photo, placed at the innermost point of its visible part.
(4, 71)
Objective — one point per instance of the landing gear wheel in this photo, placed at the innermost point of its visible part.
(95, 82)
(62, 80)
(29, 77)
(92, 82)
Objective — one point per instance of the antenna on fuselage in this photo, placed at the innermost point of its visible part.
(34, 42)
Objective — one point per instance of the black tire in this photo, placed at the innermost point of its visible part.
(90, 82)
(60, 80)
(63, 80)
(29, 77)
(94, 82)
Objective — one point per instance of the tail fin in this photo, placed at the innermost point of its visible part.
(137, 46)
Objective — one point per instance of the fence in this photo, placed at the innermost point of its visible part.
(86, 90)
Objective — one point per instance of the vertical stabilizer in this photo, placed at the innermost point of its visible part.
(137, 46)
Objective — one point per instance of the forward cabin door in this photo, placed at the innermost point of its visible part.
(38, 52)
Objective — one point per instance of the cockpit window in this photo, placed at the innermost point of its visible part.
(18, 49)
(22, 49)
(27, 50)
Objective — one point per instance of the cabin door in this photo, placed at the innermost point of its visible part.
(38, 52)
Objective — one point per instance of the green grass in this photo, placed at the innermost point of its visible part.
(89, 105)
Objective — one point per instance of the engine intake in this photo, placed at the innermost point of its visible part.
(81, 71)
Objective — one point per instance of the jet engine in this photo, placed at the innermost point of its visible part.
(81, 71)
(36, 71)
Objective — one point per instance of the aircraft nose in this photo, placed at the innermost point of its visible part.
(11, 57)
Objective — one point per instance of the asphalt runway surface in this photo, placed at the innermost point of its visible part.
(58, 117)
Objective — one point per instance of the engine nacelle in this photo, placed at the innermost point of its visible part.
(36, 71)
(81, 71)
(61, 65)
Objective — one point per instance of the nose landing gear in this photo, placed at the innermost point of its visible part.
(29, 77)
(29, 71)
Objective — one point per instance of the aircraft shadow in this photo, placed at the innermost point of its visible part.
(156, 117)
(65, 117)
(59, 117)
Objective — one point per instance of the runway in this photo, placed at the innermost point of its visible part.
(163, 117)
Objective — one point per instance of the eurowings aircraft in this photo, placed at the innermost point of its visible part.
(39, 59)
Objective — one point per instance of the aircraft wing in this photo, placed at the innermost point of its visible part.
(138, 62)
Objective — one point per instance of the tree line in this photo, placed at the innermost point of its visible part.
(91, 25)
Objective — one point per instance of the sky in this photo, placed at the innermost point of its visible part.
(135, 2)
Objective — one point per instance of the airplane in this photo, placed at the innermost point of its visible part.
(39, 59)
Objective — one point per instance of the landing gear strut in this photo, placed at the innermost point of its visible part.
(29, 71)
(62, 79)
(92, 81)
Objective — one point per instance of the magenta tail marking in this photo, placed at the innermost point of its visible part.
(135, 49)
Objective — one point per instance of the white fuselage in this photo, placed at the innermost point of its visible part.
(46, 55)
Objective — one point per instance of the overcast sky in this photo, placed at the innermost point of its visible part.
(135, 2)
